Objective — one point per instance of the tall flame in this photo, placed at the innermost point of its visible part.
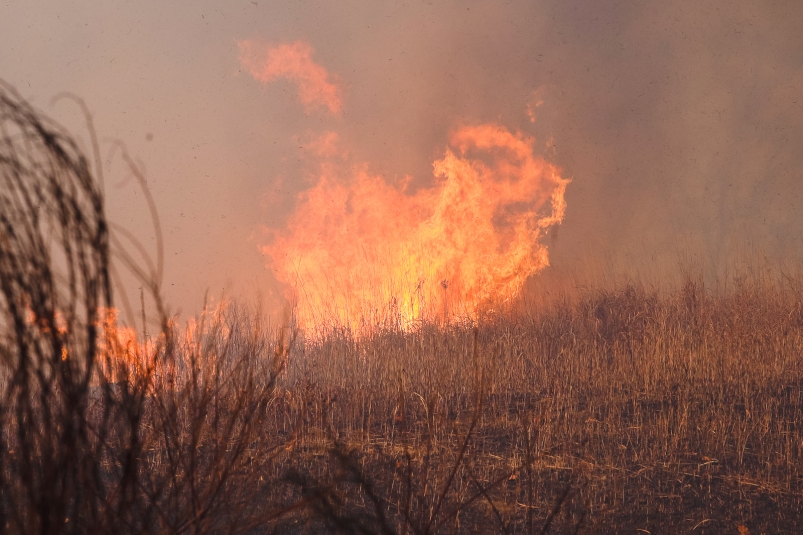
(358, 251)
(294, 62)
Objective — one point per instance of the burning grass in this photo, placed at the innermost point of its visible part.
(619, 409)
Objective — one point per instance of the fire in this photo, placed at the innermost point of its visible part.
(294, 62)
(117, 345)
(121, 351)
(124, 353)
(359, 252)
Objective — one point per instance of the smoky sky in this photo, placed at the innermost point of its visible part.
(679, 123)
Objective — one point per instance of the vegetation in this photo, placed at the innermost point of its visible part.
(616, 410)
(629, 408)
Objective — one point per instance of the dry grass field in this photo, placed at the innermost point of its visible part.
(622, 410)
(619, 410)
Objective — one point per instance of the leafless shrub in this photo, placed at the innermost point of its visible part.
(101, 431)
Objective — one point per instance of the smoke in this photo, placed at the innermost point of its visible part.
(680, 123)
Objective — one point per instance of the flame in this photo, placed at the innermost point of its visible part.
(358, 251)
(121, 351)
(125, 353)
(117, 345)
(294, 62)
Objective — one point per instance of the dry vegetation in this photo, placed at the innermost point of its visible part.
(620, 410)
(659, 412)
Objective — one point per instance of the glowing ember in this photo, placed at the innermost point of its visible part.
(359, 252)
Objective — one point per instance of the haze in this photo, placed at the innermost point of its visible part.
(679, 123)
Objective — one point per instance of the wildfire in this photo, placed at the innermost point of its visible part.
(294, 62)
(125, 353)
(359, 252)
(117, 345)
(121, 351)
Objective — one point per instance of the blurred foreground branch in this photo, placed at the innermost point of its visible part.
(102, 431)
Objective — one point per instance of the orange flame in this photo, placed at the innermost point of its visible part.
(121, 351)
(358, 251)
(125, 353)
(294, 62)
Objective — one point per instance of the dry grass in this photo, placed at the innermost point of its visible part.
(617, 410)
(658, 411)
(99, 433)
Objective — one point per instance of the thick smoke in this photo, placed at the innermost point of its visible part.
(680, 123)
